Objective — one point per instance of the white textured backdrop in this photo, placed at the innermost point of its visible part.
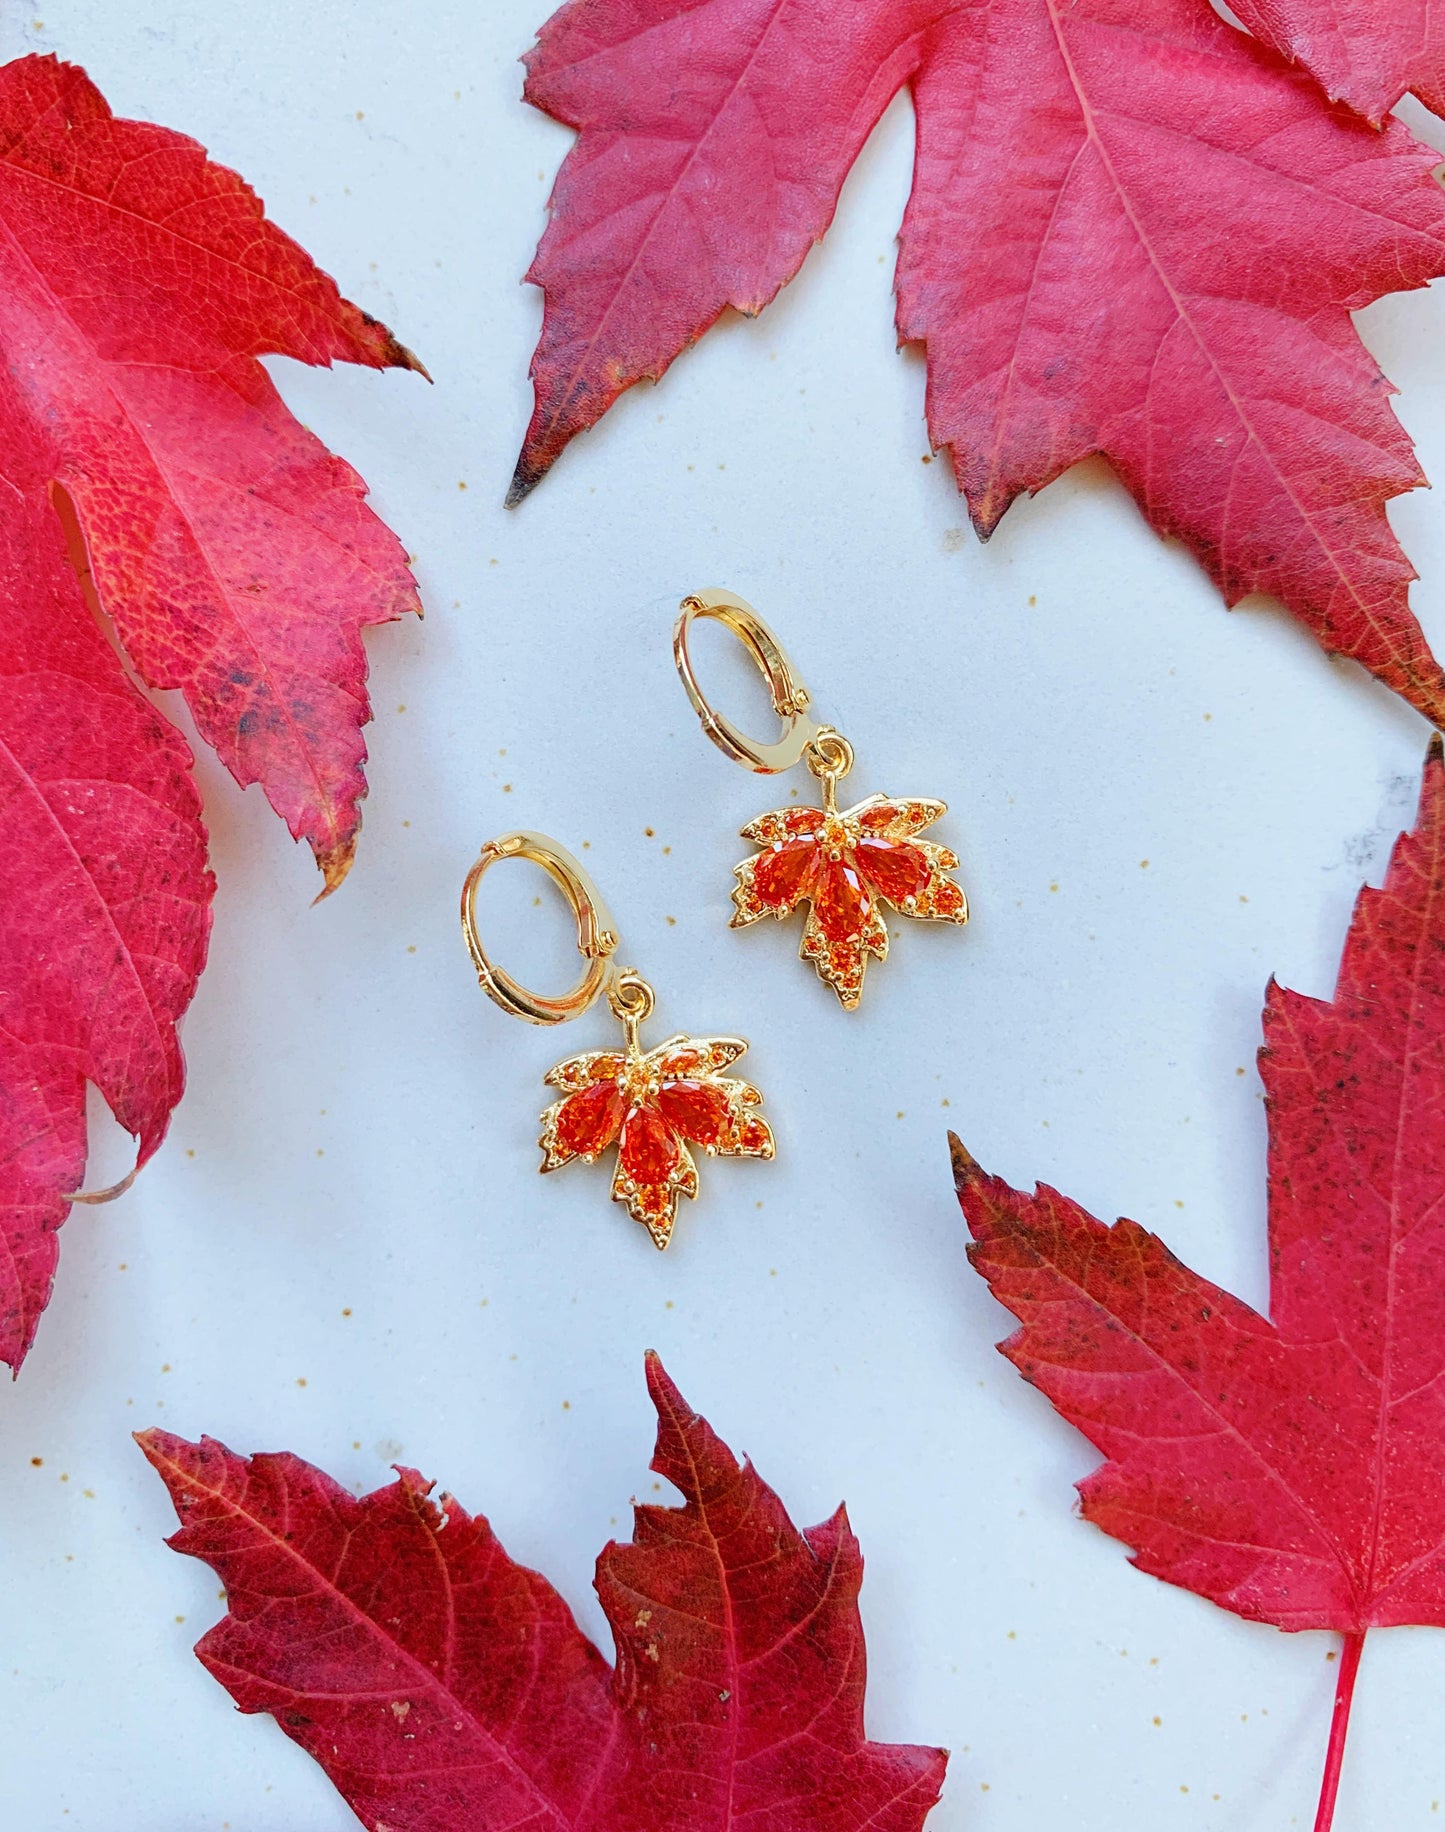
(344, 1248)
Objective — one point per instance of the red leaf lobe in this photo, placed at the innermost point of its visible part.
(1132, 231)
(139, 283)
(1365, 52)
(107, 905)
(1288, 1468)
(446, 1689)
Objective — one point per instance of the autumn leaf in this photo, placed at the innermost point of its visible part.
(1133, 230)
(1365, 52)
(139, 284)
(445, 1688)
(1291, 1469)
(106, 899)
(150, 463)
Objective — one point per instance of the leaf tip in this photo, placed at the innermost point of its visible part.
(661, 1388)
(1430, 811)
(334, 862)
(966, 1169)
(685, 1443)
(525, 479)
(985, 512)
(17, 1337)
(385, 349)
(165, 1452)
(400, 357)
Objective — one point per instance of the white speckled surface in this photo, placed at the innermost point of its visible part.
(358, 1134)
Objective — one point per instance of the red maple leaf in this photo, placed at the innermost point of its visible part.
(237, 561)
(1133, 230)
(1364, 52)
(444, 1688)
(1291, 1468)
(139, 283)
(106, 899)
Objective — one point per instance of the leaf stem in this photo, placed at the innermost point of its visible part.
(1339, 1729)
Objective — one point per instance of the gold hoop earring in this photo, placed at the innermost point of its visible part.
(847, 864)
(652, 1105)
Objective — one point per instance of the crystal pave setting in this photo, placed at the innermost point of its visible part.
(653, 1107)
(849, 865)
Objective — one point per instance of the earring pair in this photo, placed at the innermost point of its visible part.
(847, 865)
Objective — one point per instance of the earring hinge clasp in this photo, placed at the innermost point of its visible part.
(790, 697)
(596, 932)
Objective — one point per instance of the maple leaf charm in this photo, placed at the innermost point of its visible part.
(846, 862)
(652, 1106)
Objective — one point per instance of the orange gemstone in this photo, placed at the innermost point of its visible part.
(874, 820)
(606, 1068)
(839, 900)
(680, 1063)
(588, 1122)
(803, 820)
(895, 869)
(947, 900)
(649, 1146)
(699, 1110)
(779, 877)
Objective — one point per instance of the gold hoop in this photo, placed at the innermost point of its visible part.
(790, 697)
(596, 931)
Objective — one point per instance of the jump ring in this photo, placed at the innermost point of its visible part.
(828, 753)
